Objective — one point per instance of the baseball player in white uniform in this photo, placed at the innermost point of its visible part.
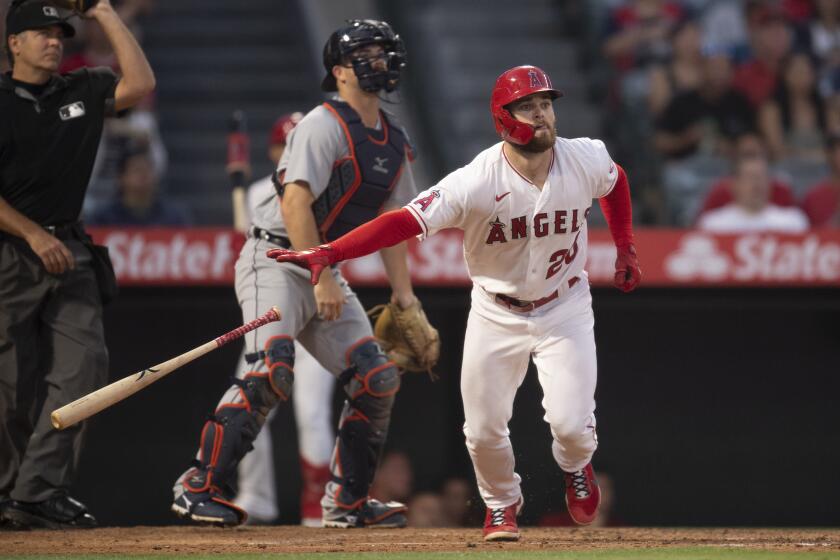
(346, 162)
(522, 206)
(311, 398)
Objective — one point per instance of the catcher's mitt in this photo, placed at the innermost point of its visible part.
(78, 6)
(406, 336)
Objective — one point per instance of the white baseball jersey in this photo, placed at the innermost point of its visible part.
(519, 240)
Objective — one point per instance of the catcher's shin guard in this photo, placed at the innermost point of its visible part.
(229, 434)
(371, 383)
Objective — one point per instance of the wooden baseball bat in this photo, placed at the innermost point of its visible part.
(94, 402)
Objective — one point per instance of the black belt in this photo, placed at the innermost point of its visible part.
(521, 305)
(64, 231)
(268, 236)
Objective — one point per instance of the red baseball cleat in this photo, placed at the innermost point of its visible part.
(582, 495)
(500, 523)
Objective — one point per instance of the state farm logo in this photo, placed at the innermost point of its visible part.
(142, 258)
(697, 257)
(759, 257)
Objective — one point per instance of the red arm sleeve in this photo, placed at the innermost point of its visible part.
(385, 230)
(618, 211)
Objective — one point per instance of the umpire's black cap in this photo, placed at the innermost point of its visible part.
(35, 14)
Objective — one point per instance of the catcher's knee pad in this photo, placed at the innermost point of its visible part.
(280, 360)
(375, 380)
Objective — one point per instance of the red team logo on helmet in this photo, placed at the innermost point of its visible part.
(514, 84)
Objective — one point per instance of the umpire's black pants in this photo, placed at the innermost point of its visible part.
(52, 351)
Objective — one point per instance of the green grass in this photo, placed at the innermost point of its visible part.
(693, 553)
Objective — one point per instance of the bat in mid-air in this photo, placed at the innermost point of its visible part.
(94, 402)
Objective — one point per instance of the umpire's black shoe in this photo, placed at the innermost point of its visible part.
(6, 524)
(58, 512)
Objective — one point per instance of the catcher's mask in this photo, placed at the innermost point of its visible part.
(514, 84)
(359, 33)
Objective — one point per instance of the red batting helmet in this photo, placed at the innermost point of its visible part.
(514, 84)
(283, 126)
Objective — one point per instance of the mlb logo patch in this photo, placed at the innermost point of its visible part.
(72, 111)
(49, 11)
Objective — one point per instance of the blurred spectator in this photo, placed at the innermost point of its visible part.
(96, 51)
(638, 32)
(798, 12)
(138, 203)
(705, 120)
(394, 479)
(821, 37)
(605, 518)
(725, 28)
(683, 73)
(747, 145)
(457, 499)
(638, 36)
(426, 510)
(751, 209)
(770, 41)
(794, 120)
(136, 129)
(822, 202)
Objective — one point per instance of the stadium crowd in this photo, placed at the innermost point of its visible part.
(692, 88)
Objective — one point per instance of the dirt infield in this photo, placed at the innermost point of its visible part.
(194, 540)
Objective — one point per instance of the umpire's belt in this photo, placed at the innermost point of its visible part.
(268, 236)
(64, 231)
(524, 306)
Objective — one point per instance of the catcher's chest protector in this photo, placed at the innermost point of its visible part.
(361, 182)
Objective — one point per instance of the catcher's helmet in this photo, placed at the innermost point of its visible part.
(359, 33)
(514, 84)
(283, 126)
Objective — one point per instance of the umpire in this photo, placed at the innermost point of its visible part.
(52, 279)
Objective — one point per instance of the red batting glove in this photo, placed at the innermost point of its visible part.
(627, 271)
(315, 260)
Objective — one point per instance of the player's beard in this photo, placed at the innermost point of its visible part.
(539, 144)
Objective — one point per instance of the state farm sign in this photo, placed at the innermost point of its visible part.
(206, 256)
(172, 256)
(755, 258)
